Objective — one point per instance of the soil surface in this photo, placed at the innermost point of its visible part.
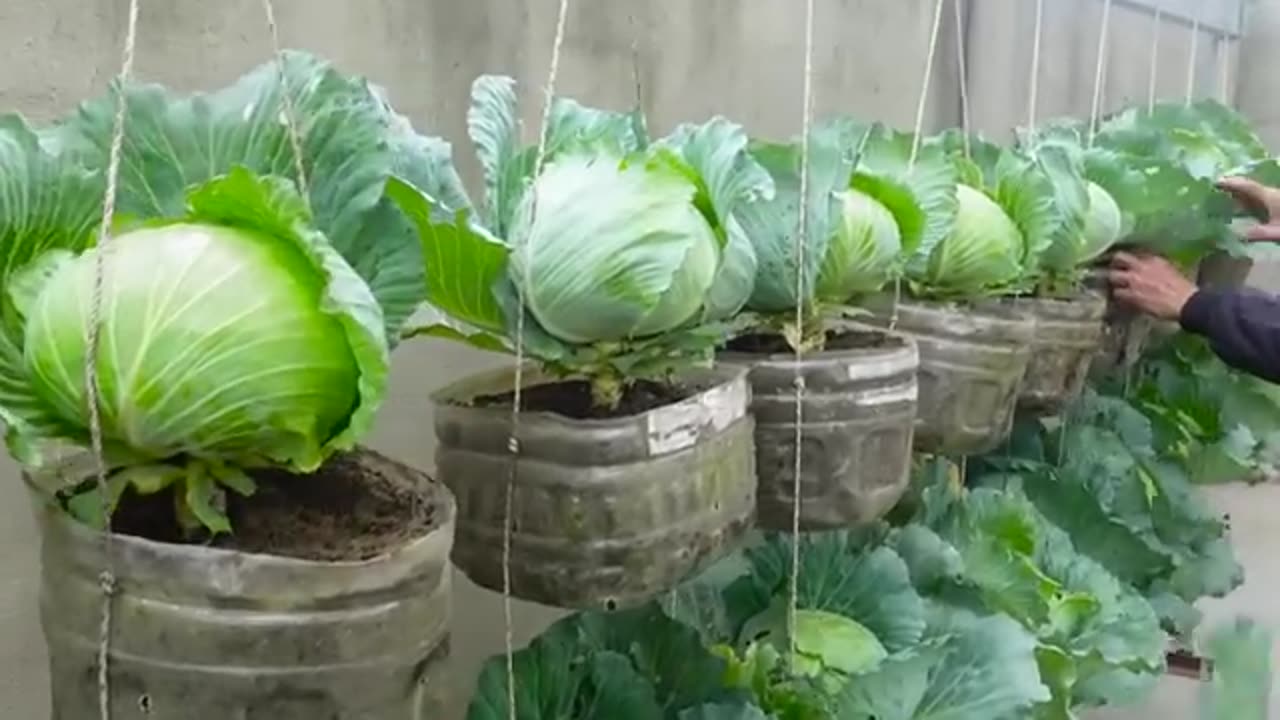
(774, 344)
(573, 399)
(349, 510)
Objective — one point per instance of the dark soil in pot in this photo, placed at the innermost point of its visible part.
(345, 511)
(572, 398)
(774, 344)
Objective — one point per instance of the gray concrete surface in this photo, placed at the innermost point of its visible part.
(695, 57)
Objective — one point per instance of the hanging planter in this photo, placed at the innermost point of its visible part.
(239, 329)
(331, 600)
(973, 359)
(1068, 336)
(606, 512)
(616, 267)
(859, 408)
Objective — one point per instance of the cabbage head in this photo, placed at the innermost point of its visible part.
(864, 250)
(244, 323)
(615, 251)
(869, 210)
(983, 251)
(215, 341)
(628, 254)
(231, 338)
(1104, 223)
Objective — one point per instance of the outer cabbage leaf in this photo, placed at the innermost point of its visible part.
(1100, 640)
(237, 333)
(463, 262)
(1206, 137)
(351, 143)
(728, 179)
(1133, 512)
(773, 225)
(1076, 204)
(493, 123)
(634, 664)
(971, 668)
(840, 573)
(47, 202)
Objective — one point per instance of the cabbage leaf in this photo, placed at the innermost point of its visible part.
(351, 141)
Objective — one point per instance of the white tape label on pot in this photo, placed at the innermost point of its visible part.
(883, 367)
(909, 392)
(679, 426)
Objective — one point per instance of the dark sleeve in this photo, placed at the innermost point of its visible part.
(1241, 325)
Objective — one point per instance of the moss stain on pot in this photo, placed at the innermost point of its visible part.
(859, 414)
(973, 359)
(607, 512)
(206, 633)
(1068, 336)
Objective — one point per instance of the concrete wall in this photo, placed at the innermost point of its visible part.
(695, 57)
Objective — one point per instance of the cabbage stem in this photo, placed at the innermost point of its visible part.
(606, 389)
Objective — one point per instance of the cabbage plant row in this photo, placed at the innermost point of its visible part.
(249, 313)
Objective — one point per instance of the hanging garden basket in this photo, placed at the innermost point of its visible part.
(859, 411)
(606, 512)
(209, 633)
(1068, 337)
(972, 363)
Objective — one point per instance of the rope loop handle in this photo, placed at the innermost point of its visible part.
(798, 384)
(107, 579)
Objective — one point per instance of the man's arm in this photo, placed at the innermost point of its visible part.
(1241, 325)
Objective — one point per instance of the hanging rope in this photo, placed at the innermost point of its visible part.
(922, 103)
(798, 381)
(635, 63)
(513, 442)
(107, 578)
(286, 99)
(1104, 36)
(1153, 69)
(1033, 92)
(917, 138)
(1224, 69)
(1193, 56)
(963, 79)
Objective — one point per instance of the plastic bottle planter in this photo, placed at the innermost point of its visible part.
(605, 513)
(209, 634)
(1068, 337)
(859, 416)
(972, 363)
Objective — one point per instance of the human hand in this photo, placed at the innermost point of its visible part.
(1151, 284)
(1260, 201)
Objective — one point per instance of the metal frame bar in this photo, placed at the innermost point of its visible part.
(1220, 17)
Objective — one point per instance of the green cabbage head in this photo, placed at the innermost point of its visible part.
(1104, 223)
(984, 250)
(231, 338)
(214, 340)
(862, 252)
(615, 250)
